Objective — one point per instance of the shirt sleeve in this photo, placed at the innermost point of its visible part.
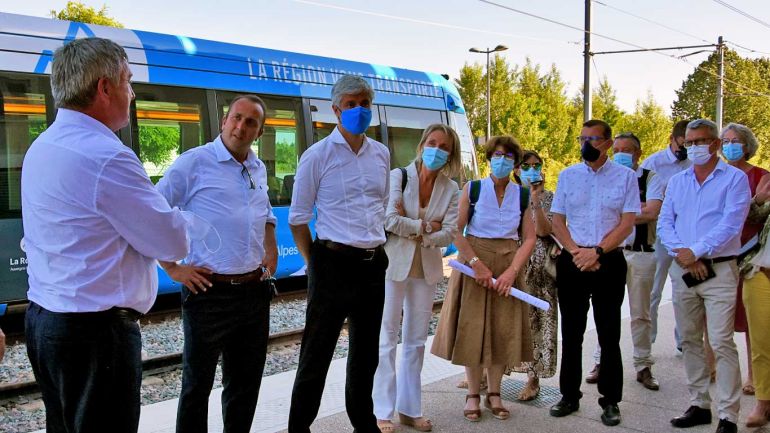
(128, 200)
(736, 208)
(175, 184)
(306, 183)
(560, 196)
(666, 223)
(655, 187)
(632, 203)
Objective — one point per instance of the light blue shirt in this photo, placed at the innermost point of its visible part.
(210, 183)
(349, 191)
(594, 201)
(93, 222)
(707, 218)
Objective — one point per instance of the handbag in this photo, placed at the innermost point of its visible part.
(552, 252)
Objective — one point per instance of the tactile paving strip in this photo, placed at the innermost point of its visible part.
(549, 395)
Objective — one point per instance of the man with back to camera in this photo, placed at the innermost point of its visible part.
(594, 207)
(345, 177)
(226, 294)
(666, 163)
(700, 226)
(93, 226)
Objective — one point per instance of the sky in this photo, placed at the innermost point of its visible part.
(435, 35)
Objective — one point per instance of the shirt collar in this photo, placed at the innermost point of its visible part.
(67, 116)
(337, 138)
(721, 166)
(606, 165)
(224, 155)
(670, 155)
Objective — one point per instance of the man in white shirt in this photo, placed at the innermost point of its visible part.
(666, 163)
(344, 177)
(700, 225)
(93, 227)
(226, 294)
(594, 207)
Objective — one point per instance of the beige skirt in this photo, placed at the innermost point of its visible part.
(477, 327)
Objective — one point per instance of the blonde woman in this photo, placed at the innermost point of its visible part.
(421, 218)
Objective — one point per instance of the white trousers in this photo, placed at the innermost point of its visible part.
(639, 281)
(714, 301)
(402, 391)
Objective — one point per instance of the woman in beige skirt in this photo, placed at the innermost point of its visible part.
(481, 326)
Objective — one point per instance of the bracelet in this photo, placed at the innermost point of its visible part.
(473, 260)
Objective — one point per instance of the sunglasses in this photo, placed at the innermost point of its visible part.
(251, 181)
(499, 154)
(527, 166)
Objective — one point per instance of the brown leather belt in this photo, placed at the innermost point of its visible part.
(237, 279)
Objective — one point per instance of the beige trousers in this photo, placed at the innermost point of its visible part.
(639, 279)
(714, 301)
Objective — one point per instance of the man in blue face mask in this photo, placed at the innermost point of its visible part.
(640, 257)
(345, 178)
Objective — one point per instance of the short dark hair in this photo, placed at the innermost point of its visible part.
(253, 98)
(596, 122)
(630, 136)
(680, 128)
(507, 142)
(529, 154)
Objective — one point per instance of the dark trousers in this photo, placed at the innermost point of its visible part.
(89, 369)
(605, 289)
(234, 321)
(340, 286)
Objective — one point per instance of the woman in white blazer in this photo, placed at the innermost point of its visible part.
(421, 219)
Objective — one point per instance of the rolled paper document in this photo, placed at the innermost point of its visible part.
(516, 293)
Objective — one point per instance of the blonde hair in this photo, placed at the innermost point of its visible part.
(453, 165)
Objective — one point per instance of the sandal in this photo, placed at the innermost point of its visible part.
(497, 412)
(748, 389)
(420, 423)
(463, 384)
(386, 426)
(529, 392)
(472, 415)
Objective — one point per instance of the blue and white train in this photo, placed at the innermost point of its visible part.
(183, 87)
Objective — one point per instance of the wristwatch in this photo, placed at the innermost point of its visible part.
(428, 227)
(473, 261)
(599, 250)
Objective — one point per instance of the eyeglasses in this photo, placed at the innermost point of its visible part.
(699, 142)
(527, 166)
(582, 139)
(499, 154)
(251, 181)
(733, 141)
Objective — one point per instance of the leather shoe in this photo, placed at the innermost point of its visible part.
(692, 417)
(647, 380)
(593, 375)
(726, 426)
(564, 408)
(611, 415)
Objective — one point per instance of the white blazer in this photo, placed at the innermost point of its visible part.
(400, 246)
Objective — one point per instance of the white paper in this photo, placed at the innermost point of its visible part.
(516, 293)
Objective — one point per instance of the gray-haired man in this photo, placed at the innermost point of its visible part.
(345, 178)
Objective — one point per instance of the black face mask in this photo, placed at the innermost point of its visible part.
(589, 153)
(681, 153)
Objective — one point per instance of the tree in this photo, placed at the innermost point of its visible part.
(746, 87)
(158, 143)
(77, 11)
(648, 122)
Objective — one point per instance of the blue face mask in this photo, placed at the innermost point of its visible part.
(732, 151)
(355, 120)
(434, 158)
(625, 159)
(501, 167)
(530, 176)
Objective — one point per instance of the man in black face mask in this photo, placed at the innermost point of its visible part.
(594, 209)
(666, 163)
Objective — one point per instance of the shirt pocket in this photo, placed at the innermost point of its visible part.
(614, 197)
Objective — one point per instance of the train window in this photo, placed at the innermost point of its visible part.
(278, 148)
(22, 119)
(405, 126)
(169, 121)
(324, 120)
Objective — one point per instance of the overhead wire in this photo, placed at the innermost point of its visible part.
(745, 14)
(631, 44)
(673, 29)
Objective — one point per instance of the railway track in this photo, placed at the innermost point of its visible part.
(158, 364)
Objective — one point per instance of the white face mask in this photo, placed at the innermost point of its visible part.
(699, 154)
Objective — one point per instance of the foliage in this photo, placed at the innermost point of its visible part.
(648, 122)
(79, 12)
(286, 158)
(158, 144)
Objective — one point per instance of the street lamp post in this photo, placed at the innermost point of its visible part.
(488, 52)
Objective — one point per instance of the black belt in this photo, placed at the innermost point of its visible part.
(365, 254)
(237, 279)
(125, 313)
(717, 260)
(640, 248)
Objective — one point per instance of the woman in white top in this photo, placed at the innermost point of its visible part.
(421, 217)
(481, 326)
